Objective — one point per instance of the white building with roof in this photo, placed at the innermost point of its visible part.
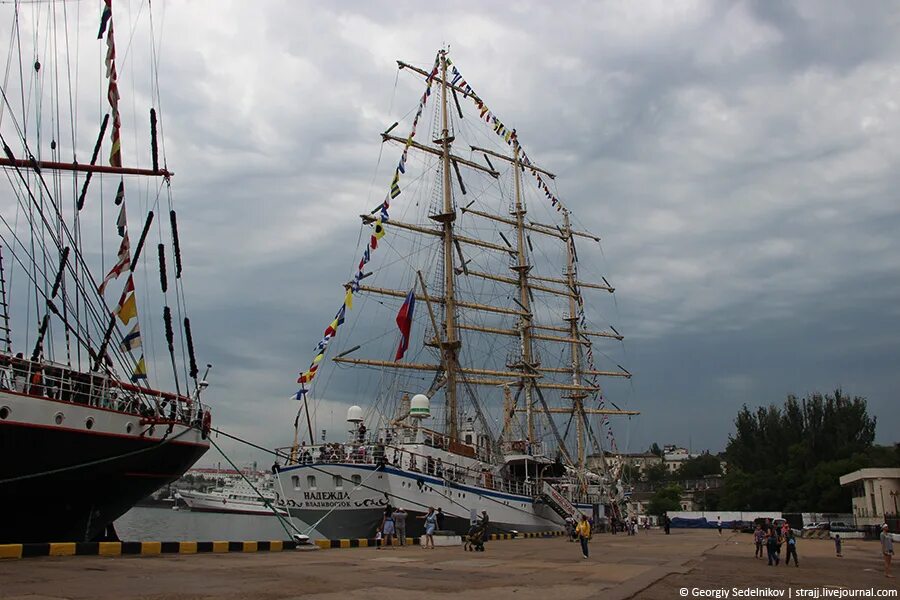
(673, 457)
(875, 493)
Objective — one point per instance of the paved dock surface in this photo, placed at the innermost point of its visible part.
(650, 565)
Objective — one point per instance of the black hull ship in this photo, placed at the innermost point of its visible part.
(84, 434)
(79, 504)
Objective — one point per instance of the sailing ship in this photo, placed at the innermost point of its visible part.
(487, 313)
(83, 433)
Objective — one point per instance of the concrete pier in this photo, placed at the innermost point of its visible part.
(649, 565)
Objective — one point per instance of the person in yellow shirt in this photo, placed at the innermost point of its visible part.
(583, 529)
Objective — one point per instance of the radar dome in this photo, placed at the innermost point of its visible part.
(354, 414)
(420, 407)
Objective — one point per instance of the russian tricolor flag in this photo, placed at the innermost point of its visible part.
(404, 322)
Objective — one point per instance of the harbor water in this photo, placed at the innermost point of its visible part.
(165, 524)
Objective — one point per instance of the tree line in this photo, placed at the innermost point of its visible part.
(789, 458)
(786, 458)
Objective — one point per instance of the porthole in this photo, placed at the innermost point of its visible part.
(89, 422)
(128, 428)
(4, 412)
(59, 418)
(295, 481)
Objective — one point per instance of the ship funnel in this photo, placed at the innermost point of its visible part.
(420, 407)
(354, 414)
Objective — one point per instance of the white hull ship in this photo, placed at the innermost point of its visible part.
(523, 335)
(345, 499)
(236, 497)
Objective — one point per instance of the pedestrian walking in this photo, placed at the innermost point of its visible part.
(400, 525)
(440, 518)
(837, 545)
(667, 522)
(791, 545)
(887, 549)
(570, 529)
(772, 546)
(484, 522)
(584, 531)
(758, 537)
(719, 524)
(387, 527)
(430, 525)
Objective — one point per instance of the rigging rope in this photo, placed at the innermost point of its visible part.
(265, 500)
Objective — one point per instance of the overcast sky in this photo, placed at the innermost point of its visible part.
(739, 160)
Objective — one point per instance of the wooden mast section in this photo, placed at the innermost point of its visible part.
(589, 411)
(47, 165)
(576, 337)
(525, 321)
(575, 352)
(526, 371)
(451, 342)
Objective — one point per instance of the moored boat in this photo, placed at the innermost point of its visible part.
(90, 423)
(509, 354)
(237, 496)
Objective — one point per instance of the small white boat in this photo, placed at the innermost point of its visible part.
(236, 496)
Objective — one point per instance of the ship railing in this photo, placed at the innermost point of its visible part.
(404, 459)
(523, 447)
(435, 467)
(58, 382)
(330, 453)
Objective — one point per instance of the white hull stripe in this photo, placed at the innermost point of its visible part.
(426, 478)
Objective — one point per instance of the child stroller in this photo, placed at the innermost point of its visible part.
(475, 538)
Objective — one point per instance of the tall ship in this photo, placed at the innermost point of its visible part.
(467, 336)
(93, 416)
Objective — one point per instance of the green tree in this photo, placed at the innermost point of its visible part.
(699, 467)
(665, 499)
(655, 449)
(630, 474)
(656, 473)
(707, 500)
(790, 457)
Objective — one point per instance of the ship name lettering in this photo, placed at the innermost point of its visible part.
(325, 495)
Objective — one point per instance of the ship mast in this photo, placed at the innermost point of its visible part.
(522, 268)
(450, 345)
(575, 335)
(525, 370)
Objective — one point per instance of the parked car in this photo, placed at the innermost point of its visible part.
(814, 526)
(743, 526)
(839, 526)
